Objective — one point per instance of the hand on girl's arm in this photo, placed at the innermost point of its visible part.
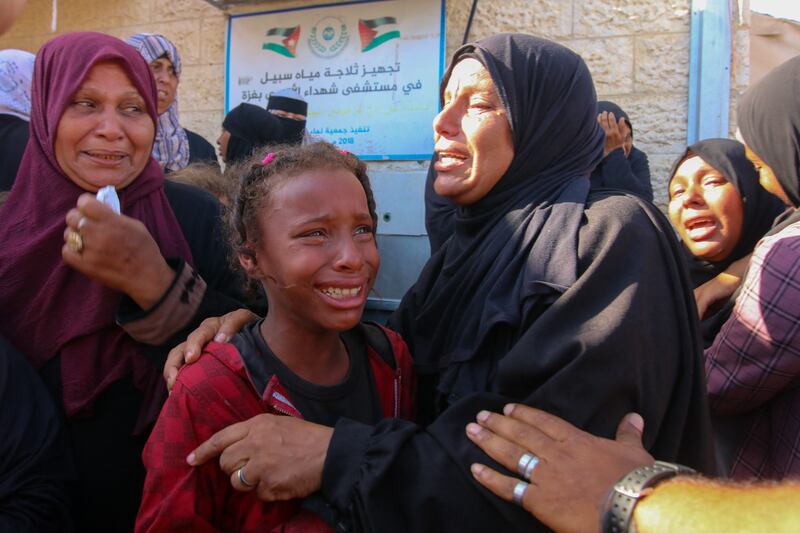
(282, 455)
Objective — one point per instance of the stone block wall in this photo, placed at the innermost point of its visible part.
(637, 50)
(197, 28)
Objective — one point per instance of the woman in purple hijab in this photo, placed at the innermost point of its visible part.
(90, 303)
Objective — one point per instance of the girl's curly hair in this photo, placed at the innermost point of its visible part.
(257, 181)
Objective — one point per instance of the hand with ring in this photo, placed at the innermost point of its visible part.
(564, 473)
(284, 456)
(116, 251)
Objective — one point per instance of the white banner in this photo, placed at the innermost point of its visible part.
(369, 70)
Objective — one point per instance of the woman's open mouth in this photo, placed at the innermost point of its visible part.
(700, 228)
(449, 161)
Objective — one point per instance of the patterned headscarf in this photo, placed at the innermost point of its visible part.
(171, 148)
(16, 71)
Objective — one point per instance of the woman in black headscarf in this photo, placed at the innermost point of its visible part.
(247, 127)
(544, 295)
(720, 212)
(623, 166)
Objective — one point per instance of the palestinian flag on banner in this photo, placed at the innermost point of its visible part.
(375, 32)
(283, 41)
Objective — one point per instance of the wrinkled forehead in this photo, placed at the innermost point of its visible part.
(107, 73)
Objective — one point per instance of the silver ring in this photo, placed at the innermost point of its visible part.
(524, 461)
(529, 469)
(81, 223)
(519, 492)
(242, 479)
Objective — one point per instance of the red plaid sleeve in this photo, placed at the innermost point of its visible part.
(178, 497)
(208, 396)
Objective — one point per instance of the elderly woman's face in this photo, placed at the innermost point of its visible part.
(472, 134)
(105, 134)
(166, 82)
(706, 209)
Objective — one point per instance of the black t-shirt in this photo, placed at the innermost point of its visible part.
(355, 397)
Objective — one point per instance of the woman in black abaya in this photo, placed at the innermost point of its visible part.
(710, 194)
(624, 166)
(547, 294)
(247, 127)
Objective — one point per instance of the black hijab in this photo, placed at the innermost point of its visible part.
(760, 207)
(544, 293)
(769, 120)
(515, 250)
(251, 126)
(440, 212)
(760, 210)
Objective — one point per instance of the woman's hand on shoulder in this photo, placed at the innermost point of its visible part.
(117, 251)
(721, 287)
(218, 329)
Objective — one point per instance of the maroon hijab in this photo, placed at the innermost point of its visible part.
(46, 307)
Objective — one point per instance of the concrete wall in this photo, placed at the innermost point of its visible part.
(638, 51)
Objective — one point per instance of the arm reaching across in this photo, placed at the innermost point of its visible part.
(218, 329)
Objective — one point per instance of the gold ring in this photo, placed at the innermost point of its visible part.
(75, 241)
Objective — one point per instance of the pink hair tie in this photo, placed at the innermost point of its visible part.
(268, 159)
(345, 152)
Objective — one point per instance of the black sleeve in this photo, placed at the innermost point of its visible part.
(199, 215)
(14, 134)
(200, 150)
(35, 464)
(605, 356)
(616, 172)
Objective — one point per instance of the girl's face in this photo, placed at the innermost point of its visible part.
(706, 209)
(317, 257)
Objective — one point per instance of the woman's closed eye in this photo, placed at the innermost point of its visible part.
(481, 104)
(714, 181)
